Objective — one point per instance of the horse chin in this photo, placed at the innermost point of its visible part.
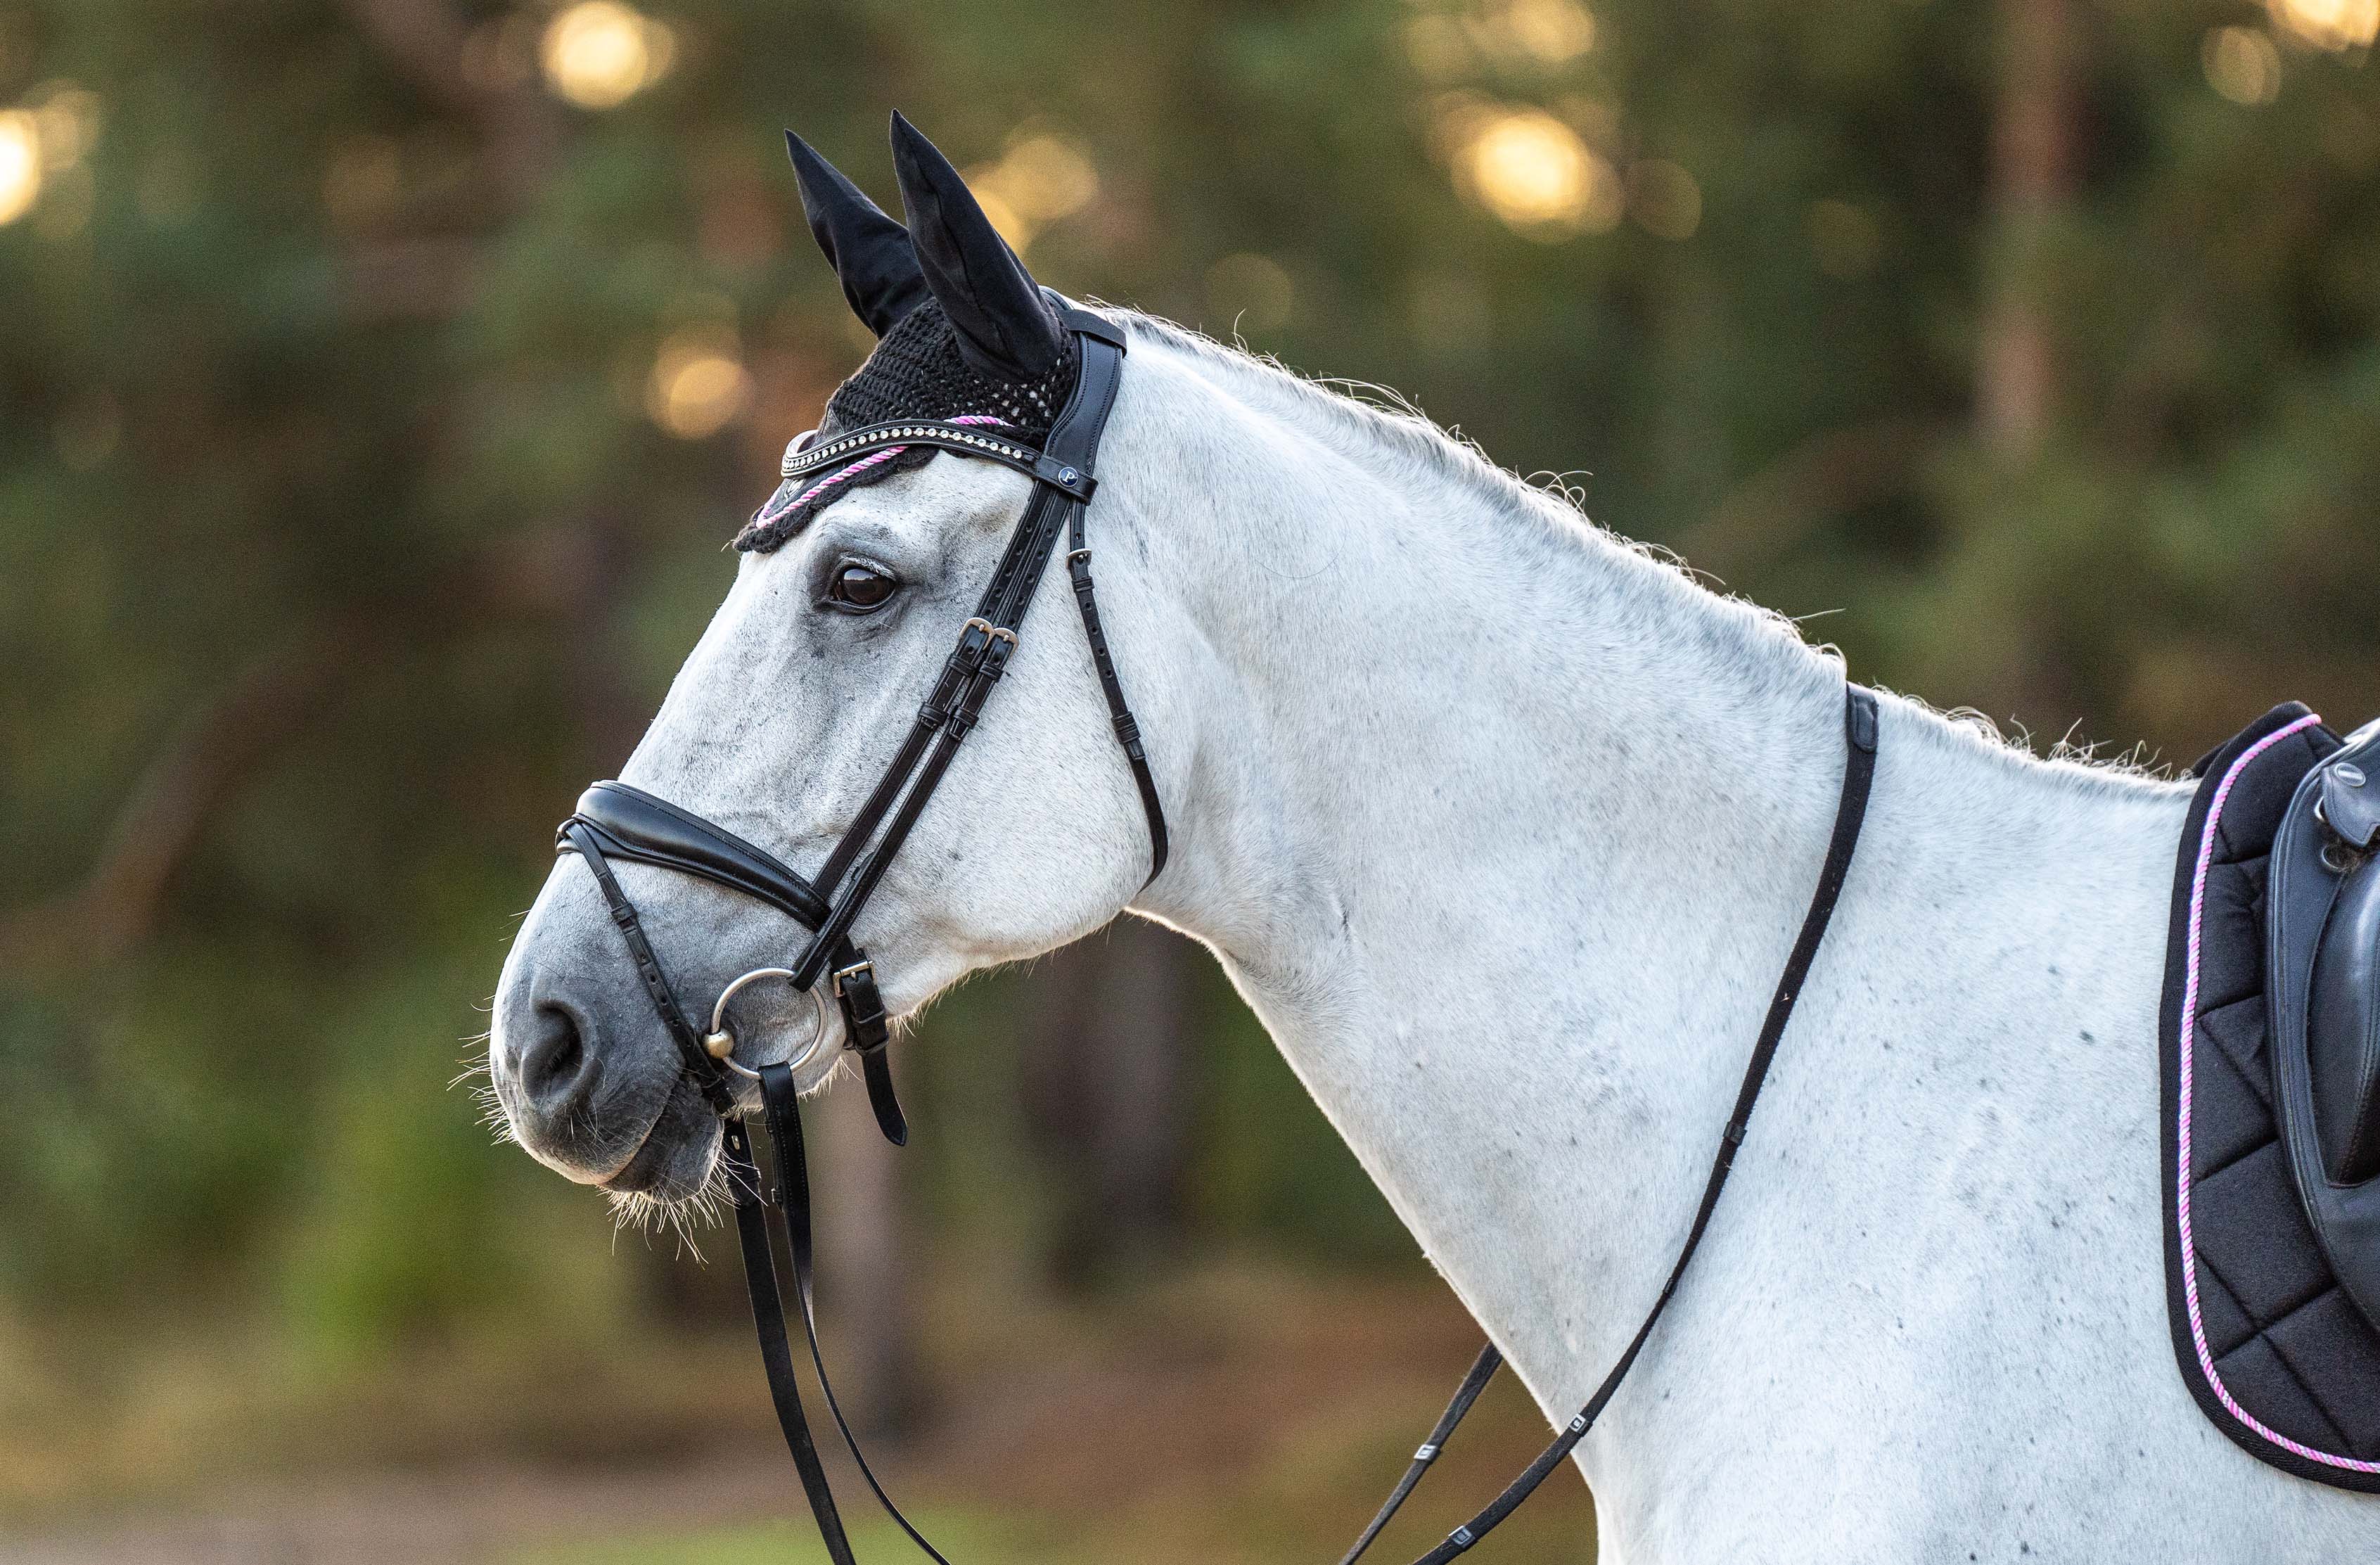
(673, 1163)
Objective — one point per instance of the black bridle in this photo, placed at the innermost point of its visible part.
(615, 821)
(618, 821)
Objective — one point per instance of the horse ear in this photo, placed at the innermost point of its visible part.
(1006, 328)
(870, 252)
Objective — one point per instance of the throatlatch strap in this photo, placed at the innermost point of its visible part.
(1858, 772)
(985, 647)
(1127, 731)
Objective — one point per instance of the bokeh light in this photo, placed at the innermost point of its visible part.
(66, 120)
(1553, 32)
(21, 164)
(2241, 64)
(1041, 179)
(1247, 292)
(41, 150)
(1535, 173)
(2329, 24)
(600, 53)
(1526, 35)
(1665, 199)
(699, 385)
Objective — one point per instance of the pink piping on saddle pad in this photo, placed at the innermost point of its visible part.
(2181, 1161)
(840, 475)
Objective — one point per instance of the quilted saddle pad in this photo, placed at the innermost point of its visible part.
(2275, 1353)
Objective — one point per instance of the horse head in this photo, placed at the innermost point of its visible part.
(852, 582)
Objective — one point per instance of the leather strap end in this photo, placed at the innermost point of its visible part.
(875, 1065)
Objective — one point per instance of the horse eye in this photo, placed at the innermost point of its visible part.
(860, 586)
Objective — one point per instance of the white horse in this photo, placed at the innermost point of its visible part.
(1504, 828)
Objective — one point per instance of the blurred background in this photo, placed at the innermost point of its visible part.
(379, 380)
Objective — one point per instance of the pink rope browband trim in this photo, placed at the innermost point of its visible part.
(843, 474)
(2181, 1160)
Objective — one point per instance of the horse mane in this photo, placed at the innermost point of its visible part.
(1363, 421)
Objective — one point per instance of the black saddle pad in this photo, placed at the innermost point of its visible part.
(2275, 1355)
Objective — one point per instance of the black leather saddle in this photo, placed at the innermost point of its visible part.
(2323, 921)
(2272, 1207)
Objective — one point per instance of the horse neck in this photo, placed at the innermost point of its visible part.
(1505, 830)
(1474, 786)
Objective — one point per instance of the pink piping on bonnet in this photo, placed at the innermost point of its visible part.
(770, 513)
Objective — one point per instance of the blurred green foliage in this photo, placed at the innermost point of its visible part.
(341, 537)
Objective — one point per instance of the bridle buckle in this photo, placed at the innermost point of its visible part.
(992, 633)
(862, 966)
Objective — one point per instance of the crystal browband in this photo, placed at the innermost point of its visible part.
(957, 438)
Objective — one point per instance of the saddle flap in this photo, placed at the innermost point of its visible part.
(2322, 931)
(2343, 1029)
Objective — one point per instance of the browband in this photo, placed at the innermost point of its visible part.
(1070, 474)
(1068, 479)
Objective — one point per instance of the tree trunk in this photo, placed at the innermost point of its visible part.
(2034, 140)
(867, 1266)
(1106, 1083)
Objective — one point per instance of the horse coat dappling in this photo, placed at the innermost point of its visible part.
(1505, 830)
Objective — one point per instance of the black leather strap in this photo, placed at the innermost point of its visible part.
(707, 1072)
(776, 1350)
(1858, 772)
(635, 825)
(617, 820)
(867, 1028)
(781, 1104)
(943, 726)
(1127, 731)
(1483, 1369)
(964, 439)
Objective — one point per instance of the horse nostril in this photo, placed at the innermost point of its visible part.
(553, 1068)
